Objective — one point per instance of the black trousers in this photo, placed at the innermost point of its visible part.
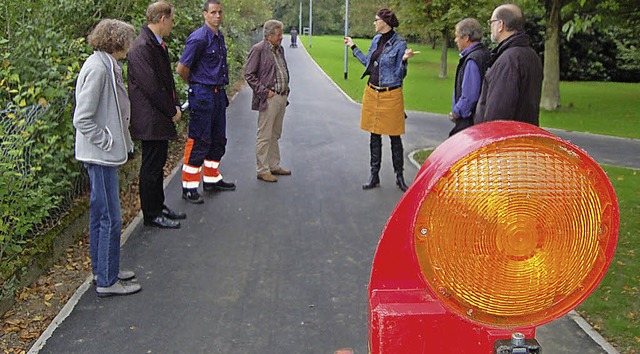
(461, 124)
(154, 156)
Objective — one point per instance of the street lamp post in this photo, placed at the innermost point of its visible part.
(300, 19)
(346, 34)
(310, 22)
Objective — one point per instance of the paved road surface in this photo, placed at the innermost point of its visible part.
(275, 268)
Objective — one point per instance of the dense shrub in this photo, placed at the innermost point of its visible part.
(42, 48)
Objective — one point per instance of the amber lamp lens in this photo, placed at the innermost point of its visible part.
(518, 232)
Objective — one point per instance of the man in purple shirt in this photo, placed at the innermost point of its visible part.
(474, 60)
(204, 66)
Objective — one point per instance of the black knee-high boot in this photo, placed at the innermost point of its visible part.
(397, 156)
(375, 147)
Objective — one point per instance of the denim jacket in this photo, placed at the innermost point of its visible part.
(392, 68)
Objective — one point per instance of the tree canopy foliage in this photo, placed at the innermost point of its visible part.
(610, 23)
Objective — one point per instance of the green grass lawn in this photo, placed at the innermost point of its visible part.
(596, 107)
(614, 307)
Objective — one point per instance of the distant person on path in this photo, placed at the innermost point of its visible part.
(101, 119)
(267, 73)
(154, 111)
(513, 83)
(474, 60)
(204, 66)
(383, 102)
(294, 37)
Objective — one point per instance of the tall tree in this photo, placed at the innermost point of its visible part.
(437, 18)
(551, 68)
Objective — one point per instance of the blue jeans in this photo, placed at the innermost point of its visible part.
(105, 223)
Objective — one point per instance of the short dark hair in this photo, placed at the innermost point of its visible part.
(210, 2)
(470, 27)
(111, 36)
(158, 9)
(512, 17)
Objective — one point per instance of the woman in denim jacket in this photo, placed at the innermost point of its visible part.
(383, 102)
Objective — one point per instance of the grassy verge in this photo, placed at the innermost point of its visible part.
(614, 307)
(596, 107)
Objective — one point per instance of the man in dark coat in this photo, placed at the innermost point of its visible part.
(513, 83)
(154, 111)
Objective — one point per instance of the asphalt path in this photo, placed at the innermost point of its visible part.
(278, 267)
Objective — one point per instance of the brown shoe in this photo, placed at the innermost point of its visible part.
(281, 171)
(267, 177)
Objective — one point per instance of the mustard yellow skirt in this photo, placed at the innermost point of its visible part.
(382, 112)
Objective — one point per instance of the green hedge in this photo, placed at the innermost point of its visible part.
(39, 64)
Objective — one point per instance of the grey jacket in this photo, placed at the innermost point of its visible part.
(102, 133)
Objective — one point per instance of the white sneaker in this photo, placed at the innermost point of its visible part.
(122, 275)
(118, 288)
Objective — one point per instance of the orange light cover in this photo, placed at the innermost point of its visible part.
(516, 230)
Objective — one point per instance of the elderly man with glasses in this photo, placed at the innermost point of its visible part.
(512, 86)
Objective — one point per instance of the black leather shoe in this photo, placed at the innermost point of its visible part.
(170, 214)
(372, 182)
(163, 223)
(221, 185)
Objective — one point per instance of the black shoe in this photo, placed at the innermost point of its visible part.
(374, 181)
(170, 214)
(192, 197)
(163, 223)
(400, 182)
(221, 185)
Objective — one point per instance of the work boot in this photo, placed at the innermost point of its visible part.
(221, 185)
(375, 148)
(192, 196)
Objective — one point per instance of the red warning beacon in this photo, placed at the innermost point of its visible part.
(506, 227)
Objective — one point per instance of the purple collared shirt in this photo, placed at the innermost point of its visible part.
(471, 86)
(205, 54)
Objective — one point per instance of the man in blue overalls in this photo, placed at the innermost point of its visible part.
(204, 66)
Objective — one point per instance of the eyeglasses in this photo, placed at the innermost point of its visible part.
(489, 22)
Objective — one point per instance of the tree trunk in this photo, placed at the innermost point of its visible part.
(551, 83)
(443, 54)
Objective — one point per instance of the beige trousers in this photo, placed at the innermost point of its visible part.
(269, 132)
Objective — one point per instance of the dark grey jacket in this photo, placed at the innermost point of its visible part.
(151, 89)
(512, 86)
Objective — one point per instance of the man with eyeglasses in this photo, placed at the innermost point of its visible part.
(512, 86)
(204, 66)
